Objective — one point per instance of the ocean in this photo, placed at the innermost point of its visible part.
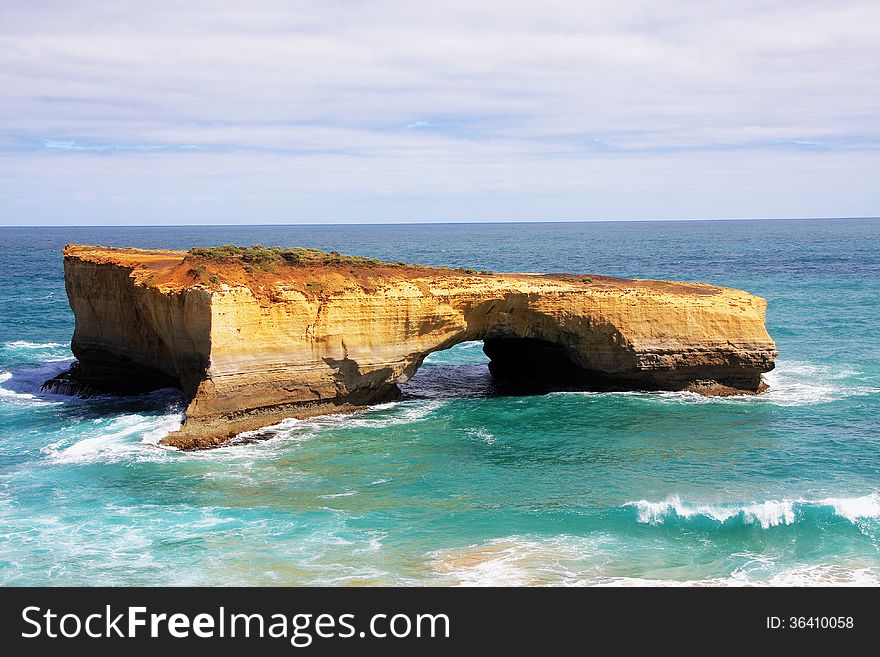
(453, 485)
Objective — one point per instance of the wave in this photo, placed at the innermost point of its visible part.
(390, 414)
(802, 575)
(566, 560)
(798, 383)
(267, 441)
(767, 514)
(124, 438)
(23, 385)
(24, 344)
(791, 383)
(517, 561)
(464, 353)
(23, 351)
(135, 437)
(381, 416)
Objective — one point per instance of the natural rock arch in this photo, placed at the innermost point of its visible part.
(527, 346)
(250, 349)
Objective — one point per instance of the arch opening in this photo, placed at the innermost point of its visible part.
(498, 367)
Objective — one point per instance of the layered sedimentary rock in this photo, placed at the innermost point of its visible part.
(251, 345)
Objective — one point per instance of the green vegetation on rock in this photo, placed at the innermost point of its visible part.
(268, 257)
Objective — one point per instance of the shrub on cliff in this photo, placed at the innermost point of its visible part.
(196, 274)
(267, 257)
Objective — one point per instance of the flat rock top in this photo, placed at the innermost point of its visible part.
(174, 271)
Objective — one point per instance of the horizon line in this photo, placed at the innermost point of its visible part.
(441, 223)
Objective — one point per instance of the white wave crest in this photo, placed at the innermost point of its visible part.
(125, 438)
(797, 383)
(279, 436)
(769, 513)
(391, 414)
(24, 344)
(823, 575)
(16, 397)
(380, 416)
(809, 575)
(135, 437)
(854, 508)
(791, 383)
(23, 385)
(34, 352)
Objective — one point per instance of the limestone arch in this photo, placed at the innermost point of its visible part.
(525, 344)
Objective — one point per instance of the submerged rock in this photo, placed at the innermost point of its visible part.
(256, 335)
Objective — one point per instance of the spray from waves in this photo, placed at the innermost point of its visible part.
(792, 383)
(389, 415)
(134, 437)
(596, 560)
(130, 437)
(767, 514)
(855, 508)
(381, 416)
(796, 383)
(23, 385)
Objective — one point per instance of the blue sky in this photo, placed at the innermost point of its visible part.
(325, 112)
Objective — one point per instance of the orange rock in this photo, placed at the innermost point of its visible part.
(250, 348)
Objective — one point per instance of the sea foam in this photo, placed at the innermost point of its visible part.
(130, 437)
(791, 383)
(565, 560)
(23, 385)
(24, 344)
(769, 513)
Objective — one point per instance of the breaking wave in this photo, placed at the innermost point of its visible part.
(136, 436)
(123, 438)
(381, 416)
(770, 513)
(22, 385)
(33, 352)
(792, 383)
(796, 383)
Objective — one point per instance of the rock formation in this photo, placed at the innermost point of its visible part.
(252, 339)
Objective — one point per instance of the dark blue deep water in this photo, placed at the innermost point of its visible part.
(450, 486)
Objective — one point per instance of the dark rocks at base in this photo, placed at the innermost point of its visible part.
(108, 375)
(523, 366)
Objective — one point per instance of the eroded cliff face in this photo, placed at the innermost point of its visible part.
(253, 347)
(131, 336)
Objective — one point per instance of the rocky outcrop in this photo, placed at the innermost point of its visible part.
(251, 344)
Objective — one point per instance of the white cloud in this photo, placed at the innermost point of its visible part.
(387, 111)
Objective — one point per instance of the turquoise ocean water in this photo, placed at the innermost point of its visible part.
(453, 485)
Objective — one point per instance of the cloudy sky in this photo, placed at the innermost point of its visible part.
(299, 112)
